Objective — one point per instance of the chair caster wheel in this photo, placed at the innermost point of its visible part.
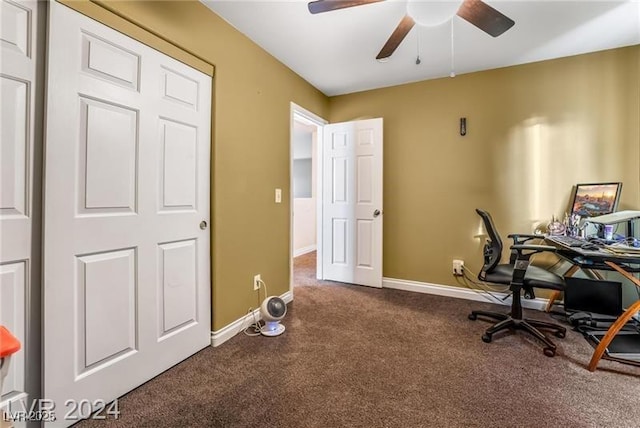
(549, 352)
(473, 317)
(560, 334)
(486, 338)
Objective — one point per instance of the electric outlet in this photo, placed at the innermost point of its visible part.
(256, 282)
(458, 266)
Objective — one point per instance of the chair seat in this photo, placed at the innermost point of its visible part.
(535, 277)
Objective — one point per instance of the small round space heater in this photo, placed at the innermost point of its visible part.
(273, 309)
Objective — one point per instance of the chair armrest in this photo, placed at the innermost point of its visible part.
(536, 248)
(525, 235)
(521, 238)
(518, 251)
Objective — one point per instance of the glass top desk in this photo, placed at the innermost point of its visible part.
(627, 264)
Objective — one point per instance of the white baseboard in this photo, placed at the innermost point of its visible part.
(459, 293)
(218, 337)
(304, 250)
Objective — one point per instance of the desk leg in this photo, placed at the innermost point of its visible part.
(611, 333)
(620, 322)
(554, 294)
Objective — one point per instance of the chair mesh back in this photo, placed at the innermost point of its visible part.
(493, 247)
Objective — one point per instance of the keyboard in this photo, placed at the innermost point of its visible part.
(569, 241)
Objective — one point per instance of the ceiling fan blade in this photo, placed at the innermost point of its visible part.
(485, 17)
(398, 35)
(320, 6)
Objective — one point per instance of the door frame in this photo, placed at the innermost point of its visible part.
(298, 113)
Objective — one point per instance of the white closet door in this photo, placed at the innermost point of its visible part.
(127, 259)
(17, 144)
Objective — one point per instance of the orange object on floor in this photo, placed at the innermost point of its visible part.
(9, 345)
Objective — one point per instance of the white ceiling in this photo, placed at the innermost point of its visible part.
(335, 51)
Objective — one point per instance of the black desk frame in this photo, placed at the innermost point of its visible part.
(601, 260)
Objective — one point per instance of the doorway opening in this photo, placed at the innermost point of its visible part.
(306, 206)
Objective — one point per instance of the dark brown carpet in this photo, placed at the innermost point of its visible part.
(360, 357)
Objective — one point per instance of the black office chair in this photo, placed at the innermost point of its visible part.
(519, 275)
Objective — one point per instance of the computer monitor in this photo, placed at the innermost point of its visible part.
(594, 199)
(596, 296)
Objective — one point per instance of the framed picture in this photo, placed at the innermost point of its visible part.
(594, 199)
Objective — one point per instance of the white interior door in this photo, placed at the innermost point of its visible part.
(126, 250)
(352, 202)
(18, 91)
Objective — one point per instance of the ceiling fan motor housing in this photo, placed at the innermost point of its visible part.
(432, 13)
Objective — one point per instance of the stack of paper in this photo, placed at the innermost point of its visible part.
(622, 248)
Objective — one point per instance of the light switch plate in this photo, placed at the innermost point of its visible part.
(278, 196)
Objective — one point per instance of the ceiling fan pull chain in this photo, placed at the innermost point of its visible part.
(418, 48)
(453, 73)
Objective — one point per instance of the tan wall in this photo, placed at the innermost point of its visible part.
(533, 132)
(251, 114)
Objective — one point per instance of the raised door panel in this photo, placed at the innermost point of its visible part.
(365, 137)
(106, 308)
(107, 60)
(180, 88)
(364, 242)
(339, 182)
(108, 158)
(14, 151)
(15, 31)
(179, 174)
(12, 315)
(340, 250)
(178, 286)
(339, 140)
(364, 180)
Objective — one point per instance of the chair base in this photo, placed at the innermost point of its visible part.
(529, 325)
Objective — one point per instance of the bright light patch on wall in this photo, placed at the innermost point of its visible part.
(543, 160)
(536, 144)
(480, 234)
(529, 176)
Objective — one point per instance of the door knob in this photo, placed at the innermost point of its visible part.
(203, 225)
(376, 213)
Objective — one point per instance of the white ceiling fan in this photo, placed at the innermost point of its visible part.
(428, 13)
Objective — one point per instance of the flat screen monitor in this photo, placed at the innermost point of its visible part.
(588, 295)
(594, 199)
